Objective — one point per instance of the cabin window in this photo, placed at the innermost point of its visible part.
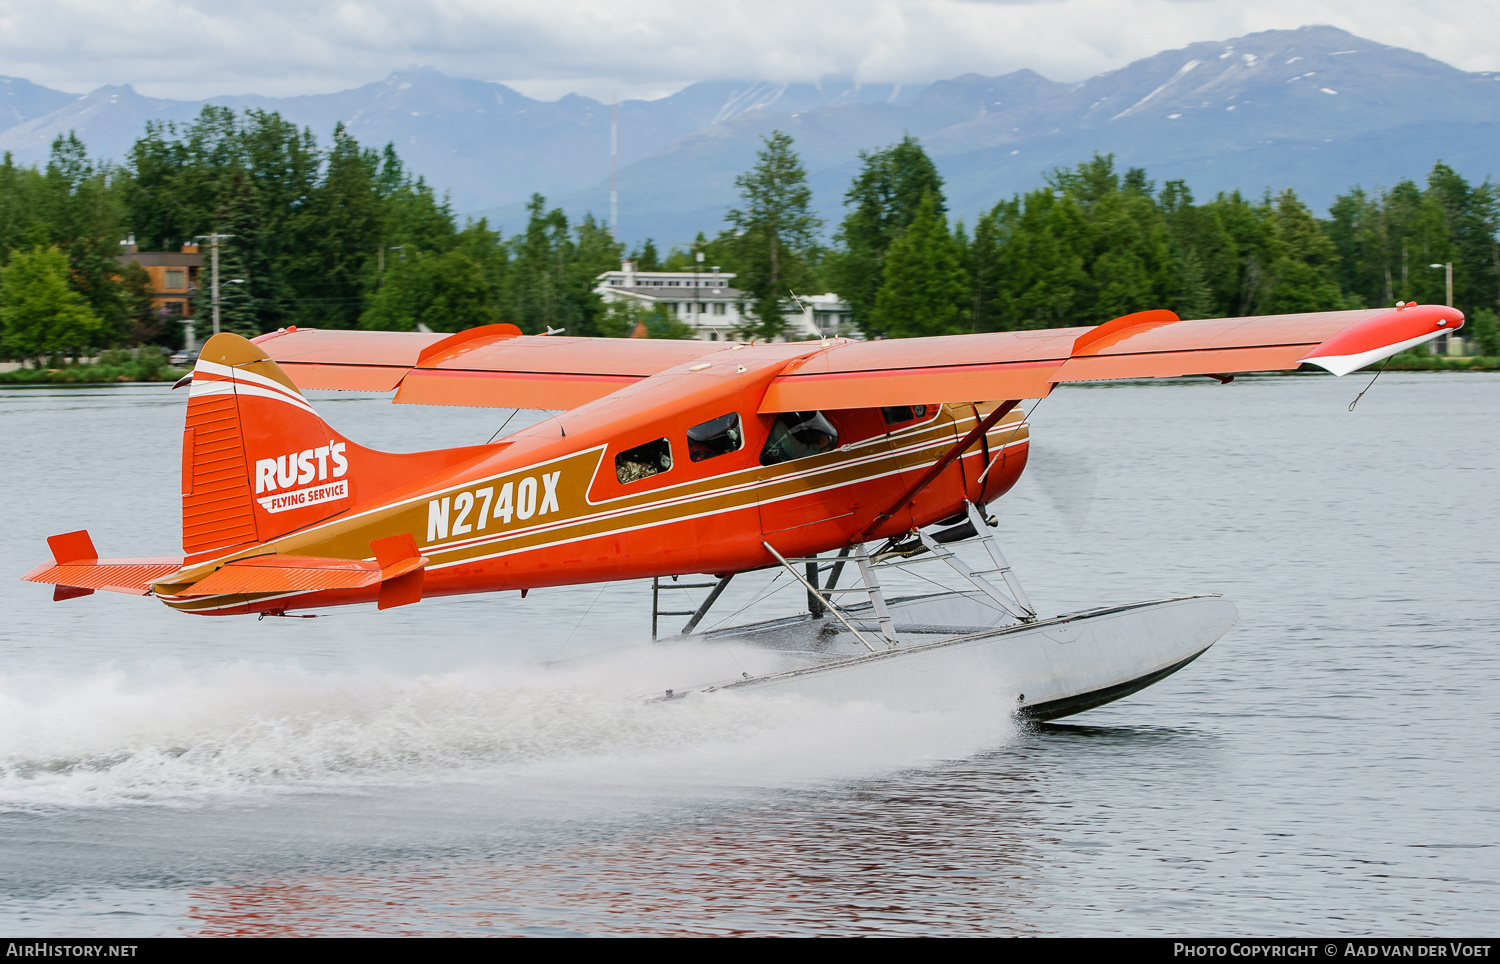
(796, 435)
(643, 461)
(718, 436)
(175, 279)
(896, 414)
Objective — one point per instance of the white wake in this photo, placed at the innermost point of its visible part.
(178, 735)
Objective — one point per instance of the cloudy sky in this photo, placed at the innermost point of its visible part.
(198, 48)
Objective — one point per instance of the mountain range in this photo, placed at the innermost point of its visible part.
(1316, 109)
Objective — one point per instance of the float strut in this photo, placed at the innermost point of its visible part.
(702, 610)
(813, 591)
(814, 601)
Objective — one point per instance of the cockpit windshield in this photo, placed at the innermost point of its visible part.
(796, 435)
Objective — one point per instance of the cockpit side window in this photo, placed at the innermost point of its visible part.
(796, 435)
(896, 414)
(643, 461)
(717, 436)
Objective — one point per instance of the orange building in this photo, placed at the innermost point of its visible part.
(174, 276)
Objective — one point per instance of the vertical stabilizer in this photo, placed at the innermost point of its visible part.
(258, 463)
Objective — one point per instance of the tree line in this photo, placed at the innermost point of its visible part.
(1092, 243)
(343, 236)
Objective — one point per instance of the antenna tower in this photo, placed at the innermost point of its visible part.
(614, 167)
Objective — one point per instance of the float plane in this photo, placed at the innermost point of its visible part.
(670, 459)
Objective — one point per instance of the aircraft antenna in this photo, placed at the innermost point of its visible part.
(807, 310)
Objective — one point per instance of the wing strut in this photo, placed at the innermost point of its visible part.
(906, 497)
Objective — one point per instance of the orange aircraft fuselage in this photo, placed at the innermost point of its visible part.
(612, 490)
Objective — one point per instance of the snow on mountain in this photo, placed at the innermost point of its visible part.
(1317, 109)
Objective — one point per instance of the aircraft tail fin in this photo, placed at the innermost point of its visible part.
(259, 463)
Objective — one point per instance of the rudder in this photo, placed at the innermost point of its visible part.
(259, 463)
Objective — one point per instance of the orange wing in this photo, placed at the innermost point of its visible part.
(1149, 344)
(497, 366)
(494, 366)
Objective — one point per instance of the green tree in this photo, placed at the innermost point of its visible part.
(1387, 240)
(553, 270)
(594, 252)
(1302, 276)
(243, 291)
(237, 304)
(23, 223)
(340, 235)
(1201, 250)
(646, 257)
(924, 286)
(487, 249)
(80, 207)
(883, 200)
(146, 324)
(1088, 247)
(445, 292)
(1485, 333)
(539, 258)
(622, 318)
(777, 233)
(40, 314)
(982, 262)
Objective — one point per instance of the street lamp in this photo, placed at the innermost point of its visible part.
(1442, 341)
(1449, 268)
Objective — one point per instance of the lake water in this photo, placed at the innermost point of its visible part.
(1329, 767)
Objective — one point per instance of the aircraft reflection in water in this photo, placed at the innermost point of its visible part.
(675, 458)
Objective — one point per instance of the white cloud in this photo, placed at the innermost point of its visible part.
(197, 48)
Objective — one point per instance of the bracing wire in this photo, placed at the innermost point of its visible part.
(514, 412)
(760, 596)
(585, 615)
(1000, 453)
(1371, 385)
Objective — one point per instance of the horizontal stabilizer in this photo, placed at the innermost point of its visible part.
(281, 573)
(77, 569)
(397, 569)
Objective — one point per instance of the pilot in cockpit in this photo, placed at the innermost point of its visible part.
(796, 435)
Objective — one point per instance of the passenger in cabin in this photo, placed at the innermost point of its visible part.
(643, 461)
(715, 437)
(796, 435)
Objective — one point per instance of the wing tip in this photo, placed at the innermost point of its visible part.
(1379, 337)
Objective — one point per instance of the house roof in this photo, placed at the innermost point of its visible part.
(703, 293)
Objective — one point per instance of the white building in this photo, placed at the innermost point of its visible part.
(706, 301)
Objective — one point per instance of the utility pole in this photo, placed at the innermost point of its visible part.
(213, 242)
(698, 306)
